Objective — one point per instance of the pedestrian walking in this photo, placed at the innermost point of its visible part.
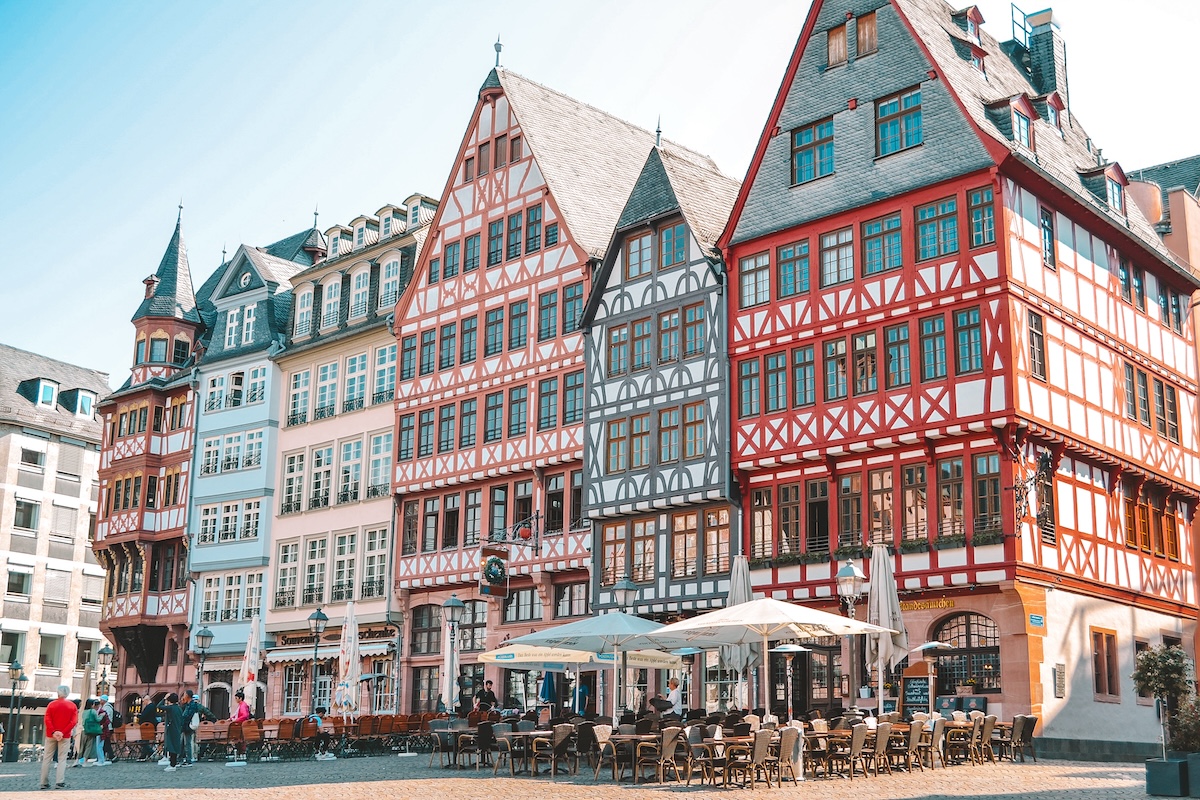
(190, 707)
(148, 714)
(91, 733)
(107, 711)
(61, 718)
(172, 730)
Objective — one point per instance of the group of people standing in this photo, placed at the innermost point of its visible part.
(63, 719)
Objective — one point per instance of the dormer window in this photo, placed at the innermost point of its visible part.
(387, 226)
(358, 235)
(1052, 116)
(973, 30)
(332, 304)
(304, 304)
(389, 287)
(977, 62)
(333, 246)
(84, 404)
(1021, 130)
(1116, 195)
(47, 393)
(414, 215)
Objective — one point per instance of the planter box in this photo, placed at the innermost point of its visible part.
(1193, 774)
(1167, 777)
(962, 691)
(948, 544)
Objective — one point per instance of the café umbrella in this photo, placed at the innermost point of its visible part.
(883, 609)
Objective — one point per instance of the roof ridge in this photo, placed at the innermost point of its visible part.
(44, 357)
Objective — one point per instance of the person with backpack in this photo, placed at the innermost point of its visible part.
(103, 748)
(193, 714)
(112, 717)
(91, 735)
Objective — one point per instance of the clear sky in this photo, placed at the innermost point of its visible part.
(253, 113)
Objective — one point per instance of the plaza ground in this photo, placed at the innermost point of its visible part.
(375, 777)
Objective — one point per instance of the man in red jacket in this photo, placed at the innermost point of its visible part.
(61, 717)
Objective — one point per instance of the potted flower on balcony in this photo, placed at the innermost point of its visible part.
(1162, 673)
(967, 687)
(949, 541)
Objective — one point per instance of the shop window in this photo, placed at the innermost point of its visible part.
(976, 658)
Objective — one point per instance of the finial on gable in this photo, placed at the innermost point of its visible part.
(179, 217)
(658, 133)
(498, 47)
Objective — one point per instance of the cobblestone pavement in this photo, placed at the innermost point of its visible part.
(377, 777)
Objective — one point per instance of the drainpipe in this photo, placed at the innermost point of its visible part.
(387, 614)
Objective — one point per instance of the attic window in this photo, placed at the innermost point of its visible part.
(358, 236)
(414, 215)
(1052, 116)
(977, 62)
(387, 226)
(47, 393)
(333, 246)
(84, 404)
(973, 29)
(1116, 195)
(867, 34)
(1022, 133)
(835, 46)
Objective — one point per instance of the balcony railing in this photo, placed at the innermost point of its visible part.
(289, 507)
(378, 490)
(257, 393)
(209, 468)
(320, 500)
(233, 400)
(388, 298)
(328, 320)
(229, 533)
(353, 404)
(321, 412)
(206, 537)
(371, 588)
(341, 591)
(213, 402)
(314, 594)
(285, 598)
(385, 396)
(230, 462)
(231, 614)
(358, 309)
(208, 616)
(302, 327)
(297, 418)
(348, 496)
(249, 531)
(252, 459)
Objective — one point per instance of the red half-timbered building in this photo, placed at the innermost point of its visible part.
(489, 396)
(951, 334)
(145, 477)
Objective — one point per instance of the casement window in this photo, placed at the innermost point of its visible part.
(493, 419)
(916, 512)
(232, 329)
(867, 35)
(618, 446)
(515, 235)
(987, 494)
(933, 348)
(639, 441)
(1046, 227)
(812, 151)
(572, 304)
(754, 278)
(380, 475)
(1106, 674)
(447, 345)
(547, 315)
(473, 520)
(866, 363)
(950, 494)
(672, 245)
(618, 350)
(791, 506)
(573, 398)
(983, 225)
(642, 560)
(899, 368)
(248, 313)
(471, 253)
(694, 431)
(518, 410)
(898, 122)
(1022, 133)
(446, 428)
(879, 506)
(804, 376)
(495, 254)
(1037, 346)
(937, 229)
(835, 370)
(638, 256)
(835, 45)
(614, 550)
(762, 524)
(484, 159)
(668, 337)
(776, 369)
(668, 436)
(1139, 288)
(881, 245)
(816, 511)
(428, 351)
(408, 357)
(1125, 277)
(518, 325)
(792, 269)
(331, 304)
(469, 343)
(684, 536)
(552, 234)
(547, 404)
(515, 151)
(466, 424)
(850, 510)
(968, 341)
(450, 259)
(837, 257)
(694, 330)
(748, 381)
(1116, 195)
(493, 332)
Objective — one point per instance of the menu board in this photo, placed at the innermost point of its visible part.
(916, 694)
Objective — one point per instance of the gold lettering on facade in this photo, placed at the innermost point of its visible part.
(926, 605)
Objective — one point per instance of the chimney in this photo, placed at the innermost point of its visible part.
(1047, 54)
(151, 285)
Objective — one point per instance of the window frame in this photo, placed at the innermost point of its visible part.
(906, 118)
(813, 152)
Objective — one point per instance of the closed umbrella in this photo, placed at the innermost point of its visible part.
(738, 657)
(248, 674)
(548, 693)
(883, 609)
(346, 694)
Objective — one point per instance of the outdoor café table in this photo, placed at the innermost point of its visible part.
(631, 740)
(526, 750)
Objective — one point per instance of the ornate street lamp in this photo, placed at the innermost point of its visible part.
(316, 626)
(789, 652)
(17, 681)
(850, 586)
(625, 593)
(452, 612)
(204, 640)
(103, 658)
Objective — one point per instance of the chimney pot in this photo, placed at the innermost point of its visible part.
(151, 285)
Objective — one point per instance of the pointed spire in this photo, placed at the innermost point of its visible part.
(172, 294)
(316, 213)
(658, 133)
(498, 47)
(222, 252)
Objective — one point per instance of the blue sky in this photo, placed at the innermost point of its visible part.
(254, 113)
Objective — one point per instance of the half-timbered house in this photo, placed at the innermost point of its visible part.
(490, 396)
(656, 444)
(952, 334)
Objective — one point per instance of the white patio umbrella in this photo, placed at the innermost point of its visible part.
(251, 659)
(345, 695)
(756, 621)
(739, 657)
(883, 609)
(563, 659)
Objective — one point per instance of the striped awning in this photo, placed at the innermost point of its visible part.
(281, 655)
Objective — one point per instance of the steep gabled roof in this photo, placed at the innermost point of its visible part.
(173, 296)
(298, 247)
(589, 158)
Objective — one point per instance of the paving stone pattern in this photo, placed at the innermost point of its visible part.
(377, 777)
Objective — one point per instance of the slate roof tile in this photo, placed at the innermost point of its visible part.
(173, 296)
(18, 404)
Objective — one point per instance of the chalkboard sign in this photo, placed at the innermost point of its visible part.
(916, 694)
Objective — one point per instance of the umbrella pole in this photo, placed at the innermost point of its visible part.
(764, 678)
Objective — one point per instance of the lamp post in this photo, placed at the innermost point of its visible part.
(316, 626)
(452, 612)
(17, 681)
(625, 592)
(850, 585)
(204, 640)
(103, 658)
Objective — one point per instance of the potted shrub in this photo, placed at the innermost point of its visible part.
(1162, 673)
(1185, 738)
